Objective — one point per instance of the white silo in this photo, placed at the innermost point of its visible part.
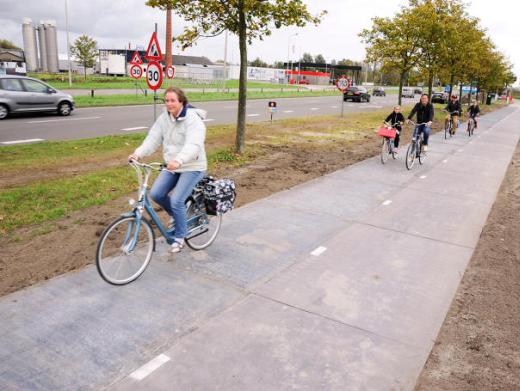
(29, 45)
(51, 43)
(43, 48)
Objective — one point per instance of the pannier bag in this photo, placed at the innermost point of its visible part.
(387, 132)
(219, 195)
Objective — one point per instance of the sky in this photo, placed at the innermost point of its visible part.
(120, 23)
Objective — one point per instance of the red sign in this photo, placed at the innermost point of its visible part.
(170, 72)
(136, 58)
(343, 84)
(153, 53)
(154, 76)
(136, 71)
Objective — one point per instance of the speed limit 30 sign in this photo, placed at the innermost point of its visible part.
(154, 76)
(136, 71)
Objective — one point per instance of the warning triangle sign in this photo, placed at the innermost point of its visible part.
(136, 59)
(154, 50)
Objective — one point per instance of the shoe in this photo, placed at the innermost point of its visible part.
(171, 223)
(177, 246)
(395, 151)
(425, 148)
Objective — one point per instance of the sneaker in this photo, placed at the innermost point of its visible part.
(425, 148)
(177, 246)
(395, 150)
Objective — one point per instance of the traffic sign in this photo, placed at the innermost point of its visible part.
(153, 53)
(170, 72)
(136, 71)
(271, 106)
(343, 84)
(136, 59)
(154, 76)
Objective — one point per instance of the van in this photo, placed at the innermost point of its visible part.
(407, 92)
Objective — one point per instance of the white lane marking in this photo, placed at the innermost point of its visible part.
(288, 111)
(318, 251)
(253, 115)
(29, 140)
(334, 107)
(445, 161)
(422, 176)
(61, 120)
(208, 120)
(149, 367)
(135, 128)
(387, 202)
(315, 108)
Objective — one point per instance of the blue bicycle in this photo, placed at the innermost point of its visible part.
(126, 246)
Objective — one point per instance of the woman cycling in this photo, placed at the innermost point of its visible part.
(395, 119)
(181, 132)
(473, 112)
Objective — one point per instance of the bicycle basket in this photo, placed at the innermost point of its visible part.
(387, 132)
(219, 195)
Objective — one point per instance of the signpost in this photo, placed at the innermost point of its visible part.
(170, 72)
(135, 70)
(343, 85)
(271, 107)
(154, 76)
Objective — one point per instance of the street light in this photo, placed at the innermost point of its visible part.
(288, 49)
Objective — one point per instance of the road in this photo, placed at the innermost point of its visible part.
(101, 121)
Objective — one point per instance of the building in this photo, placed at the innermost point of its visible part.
(12, 62)
(45, 38)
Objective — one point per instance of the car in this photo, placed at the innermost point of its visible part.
(378, 91)
(417, 90)
(439, 97)
(357, 94)
(407, 92)
(303, 81)
(21, 94)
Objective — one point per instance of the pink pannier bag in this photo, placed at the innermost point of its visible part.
(387, 132)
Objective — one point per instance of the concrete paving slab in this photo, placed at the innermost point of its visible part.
(290, 349)
(392, 284)
(432, 216)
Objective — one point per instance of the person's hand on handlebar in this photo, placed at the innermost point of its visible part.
(133, 156)
(429, 124)
(173, 165)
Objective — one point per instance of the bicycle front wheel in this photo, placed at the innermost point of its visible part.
(410, 155)
(385, 150)
(204, 228)
(124, 250)
(420, 154)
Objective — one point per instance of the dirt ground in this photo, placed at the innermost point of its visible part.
(478, 347)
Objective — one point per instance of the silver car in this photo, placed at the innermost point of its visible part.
(19, 94)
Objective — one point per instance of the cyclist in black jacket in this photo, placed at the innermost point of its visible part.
(454, 110)
(473, 112)
(395, 119)
(424, 111)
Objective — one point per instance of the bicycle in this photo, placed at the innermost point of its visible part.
(471, 126)
(126, 246)
(415, 149)
(388, 133)
(448, 127)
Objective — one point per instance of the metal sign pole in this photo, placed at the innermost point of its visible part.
(154, 91)
(342, 104)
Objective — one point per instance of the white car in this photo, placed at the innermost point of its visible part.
(407, 92)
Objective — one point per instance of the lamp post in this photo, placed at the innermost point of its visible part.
(288, 50)
(68, 41)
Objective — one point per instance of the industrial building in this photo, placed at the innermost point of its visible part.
(40, 46)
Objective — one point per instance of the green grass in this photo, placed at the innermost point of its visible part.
(140, 99)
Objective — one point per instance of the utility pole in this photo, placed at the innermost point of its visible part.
(68, 41)
(225, 61)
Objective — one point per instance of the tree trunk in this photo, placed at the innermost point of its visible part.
(85, 71)
(401, 82)
(168, 61)
(430, 84)
(242, 86)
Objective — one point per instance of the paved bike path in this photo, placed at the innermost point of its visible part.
(339, 283)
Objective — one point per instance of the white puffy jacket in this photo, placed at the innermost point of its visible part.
(182, 139)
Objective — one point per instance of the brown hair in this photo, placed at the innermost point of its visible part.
(181, 96)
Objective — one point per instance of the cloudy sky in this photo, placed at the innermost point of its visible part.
(119, 23)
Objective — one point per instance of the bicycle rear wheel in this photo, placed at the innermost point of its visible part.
(203, 228)
(124, 250)
(385, 150)
(411, 152)
(420, 154)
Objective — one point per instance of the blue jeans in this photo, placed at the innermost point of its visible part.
(170, 190)
(425, 130)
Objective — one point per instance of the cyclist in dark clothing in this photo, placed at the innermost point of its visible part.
(473, 112)
(454, 109)
(425, 112)
(395, 119)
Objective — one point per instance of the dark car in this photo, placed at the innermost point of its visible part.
(379, 91)
(358, 94)
(439, 97)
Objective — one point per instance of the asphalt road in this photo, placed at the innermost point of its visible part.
(101, 121)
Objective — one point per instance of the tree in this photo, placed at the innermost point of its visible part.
(5, 44)
(319, 59)
(85, 51)
(394, 42)
(258, 63)
(165, 5)
(249, 20)
(307, 57)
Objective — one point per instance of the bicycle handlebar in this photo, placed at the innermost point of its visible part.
(414, 124)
